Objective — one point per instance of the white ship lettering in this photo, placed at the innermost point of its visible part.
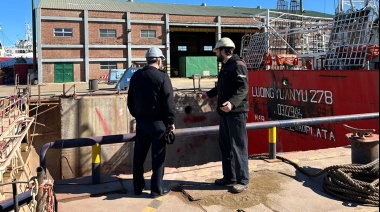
(292, 94)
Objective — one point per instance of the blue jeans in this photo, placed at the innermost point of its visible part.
(233, 143)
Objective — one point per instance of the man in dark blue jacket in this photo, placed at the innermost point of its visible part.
(151, 102)
(232, 106)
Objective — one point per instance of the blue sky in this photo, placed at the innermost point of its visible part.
(16, 13)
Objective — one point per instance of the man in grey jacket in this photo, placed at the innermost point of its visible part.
(232, 106)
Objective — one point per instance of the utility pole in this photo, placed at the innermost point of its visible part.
(34, 38)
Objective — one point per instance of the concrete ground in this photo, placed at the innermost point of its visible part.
(274, 186)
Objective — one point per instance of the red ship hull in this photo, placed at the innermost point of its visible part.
(292, 94)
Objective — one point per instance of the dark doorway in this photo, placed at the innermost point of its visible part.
(190, 44)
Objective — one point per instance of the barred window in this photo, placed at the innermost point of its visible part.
(63, 32)
(148, 33)
(107, 33)
(182, 48)
(207, 48)
(108, 65)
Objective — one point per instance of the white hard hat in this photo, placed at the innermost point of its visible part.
(154, 52)
(224, 42)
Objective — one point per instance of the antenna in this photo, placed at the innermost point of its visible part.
(28, 34)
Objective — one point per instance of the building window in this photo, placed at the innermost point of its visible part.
(63, 32)
(108, 65)
(182, 48)
(148, 33)
(207, 48)
(107, 33)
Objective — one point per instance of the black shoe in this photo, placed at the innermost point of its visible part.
(139, 192)
(164, 192)
(223, 181)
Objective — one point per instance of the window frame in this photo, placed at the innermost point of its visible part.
(207, 48)
(182, 48)
(63, 32)
(148, 34)
(107, 65)
(107, 33)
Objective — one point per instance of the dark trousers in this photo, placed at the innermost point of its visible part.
(149, 134)
(233, 143)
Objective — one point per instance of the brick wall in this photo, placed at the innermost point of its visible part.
(193, 19)
(94, 33)
(96, 72)
(47, 32)
(108, 53)
(148, 17)
(62, 13)
(140, 53)
(48, 72)
(47, 37)
(136, 37)
(60, 54)
(104, 14)
(236, 20)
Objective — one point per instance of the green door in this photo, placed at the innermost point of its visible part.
(63, 72)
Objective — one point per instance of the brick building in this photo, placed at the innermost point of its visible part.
(79, 40)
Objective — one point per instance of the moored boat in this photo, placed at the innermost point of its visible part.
(305, 67)
(23, 49)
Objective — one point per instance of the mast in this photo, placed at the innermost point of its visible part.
(294, 9)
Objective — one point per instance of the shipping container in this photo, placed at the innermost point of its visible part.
(21, 69)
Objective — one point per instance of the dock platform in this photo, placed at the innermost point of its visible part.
(274, 186)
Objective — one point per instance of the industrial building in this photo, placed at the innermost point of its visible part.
(83, 40)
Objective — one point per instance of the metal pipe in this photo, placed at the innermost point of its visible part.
(121, 138)
(15, 195)
(23, 198)
(80, 142)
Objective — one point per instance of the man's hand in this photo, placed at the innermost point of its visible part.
(171, 126)
(226, 107)
(204, 95)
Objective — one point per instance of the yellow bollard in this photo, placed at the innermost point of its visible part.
(272, 142)
(96, 164)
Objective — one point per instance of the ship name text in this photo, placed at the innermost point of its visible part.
(293, 94)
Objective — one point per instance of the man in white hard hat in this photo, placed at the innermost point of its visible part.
(151, 102)
(232, 106)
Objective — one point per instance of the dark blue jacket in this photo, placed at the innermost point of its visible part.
(150, 96)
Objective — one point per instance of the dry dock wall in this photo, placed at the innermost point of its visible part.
(90, 116)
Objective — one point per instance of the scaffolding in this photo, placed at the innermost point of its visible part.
(348, 41)
(354, 39)
(284, 34)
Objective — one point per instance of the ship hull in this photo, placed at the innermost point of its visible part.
(293, 94)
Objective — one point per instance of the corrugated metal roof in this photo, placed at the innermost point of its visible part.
(153, 7)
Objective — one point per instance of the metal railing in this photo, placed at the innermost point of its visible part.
(14, 125)
(96, 142)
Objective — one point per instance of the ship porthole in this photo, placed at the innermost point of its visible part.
(285, 81)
